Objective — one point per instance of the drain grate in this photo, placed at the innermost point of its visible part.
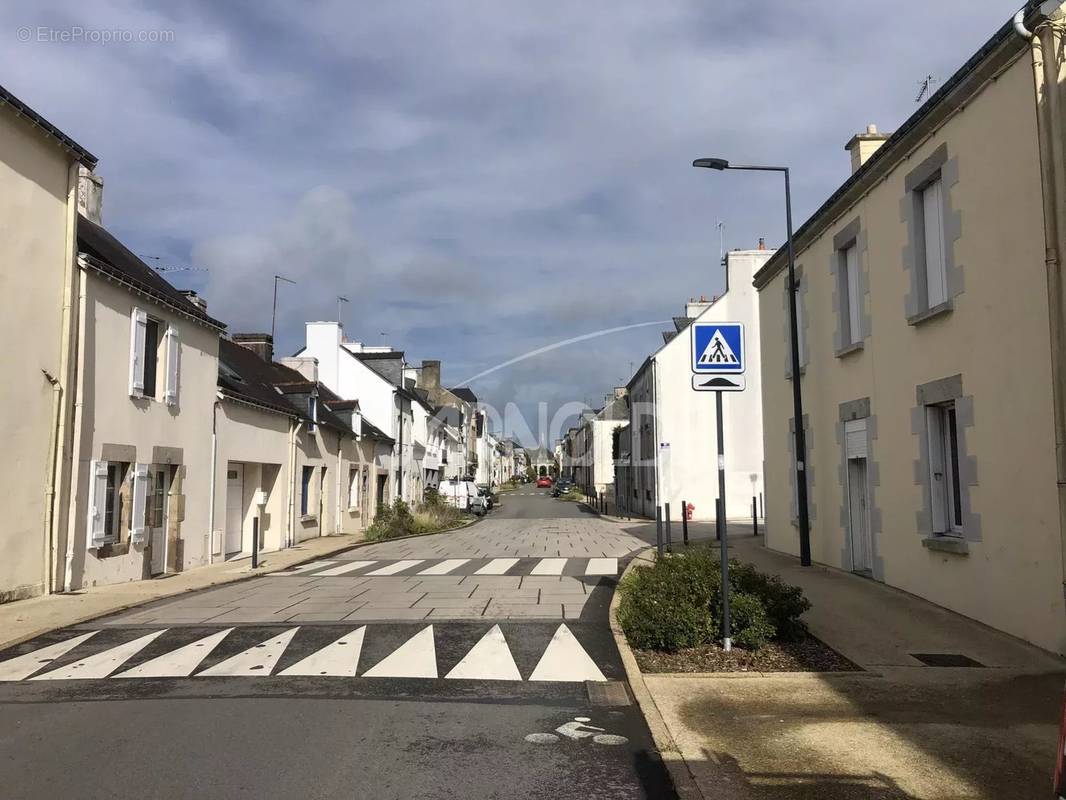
(946, 660)
(610, 693)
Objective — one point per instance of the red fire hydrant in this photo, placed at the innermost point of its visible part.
(688, 511)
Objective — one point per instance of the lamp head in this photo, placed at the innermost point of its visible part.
(711, 163)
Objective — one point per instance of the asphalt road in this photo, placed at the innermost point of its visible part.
(212, 733)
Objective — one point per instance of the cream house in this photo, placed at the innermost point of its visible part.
(38, 211)
(931, 330)
(147, 368)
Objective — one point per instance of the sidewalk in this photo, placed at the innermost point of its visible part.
(898, 730)
(25, 619)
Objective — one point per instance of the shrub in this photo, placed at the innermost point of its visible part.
(677, 603)
(398, 520)
(750, 625)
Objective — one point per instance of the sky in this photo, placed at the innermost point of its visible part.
(482, 178)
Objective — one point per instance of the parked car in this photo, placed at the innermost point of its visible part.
(464, 495)
(562, 486)
(544, 482)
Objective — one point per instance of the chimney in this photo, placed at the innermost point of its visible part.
(90, 195)
(262, 344)
(305, 365)
(619, 392)
(863, 145)
(762, 243)
(195, 299)
(431, 376)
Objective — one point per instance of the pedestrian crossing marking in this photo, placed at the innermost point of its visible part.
(415, 658)
(310, 566)
(341, 658)
(602, 566)
(718, 351)
(257, 660)
(178, 663)
(498, 566)
(399, 566)
(102, 664)
(549, 566)
(490, 660)
(343, 569)
(444, 567)
(21, 667)
(566, 660)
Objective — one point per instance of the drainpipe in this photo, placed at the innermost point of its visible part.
(57, 434)
(214, 479)
(79, 402)
(290, 534)
(1045, 42)
(339, 525)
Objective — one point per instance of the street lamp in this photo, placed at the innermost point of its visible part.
(797, 396)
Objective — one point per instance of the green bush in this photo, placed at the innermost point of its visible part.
(398, 519)
(677, 603)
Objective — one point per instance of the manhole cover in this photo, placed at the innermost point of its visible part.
(946, 660)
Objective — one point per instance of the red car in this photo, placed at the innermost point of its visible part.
(544, 482)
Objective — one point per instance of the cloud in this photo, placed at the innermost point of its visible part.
(481, 179)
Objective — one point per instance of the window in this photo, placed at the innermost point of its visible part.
(850, 299)
(305, 494)
(353, 487)
(934, 262)
(945, 490)
(153, 343)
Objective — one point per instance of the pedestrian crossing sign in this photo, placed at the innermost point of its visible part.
(718, 348)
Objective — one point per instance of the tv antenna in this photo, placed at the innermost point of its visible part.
(171, 268)
(925, 87)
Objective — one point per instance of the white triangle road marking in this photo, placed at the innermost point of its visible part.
(399, 566)
(489, 660)
(19, 667)
(341, 658)
(177, 663)
(257, 660)
(566, 660)
(498, 566)
(549, 566)
(343, 569)
(602, 566)
(102, 664)
(444, 567)
(415, 658)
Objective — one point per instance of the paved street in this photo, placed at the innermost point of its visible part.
(416, 668)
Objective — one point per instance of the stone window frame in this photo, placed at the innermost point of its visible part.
(847, 412)
(915, 304)
(931, 394)
(803, 324)
(851, 234)
(793, 510)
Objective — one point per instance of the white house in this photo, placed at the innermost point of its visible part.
(672, 427)
(593, 442)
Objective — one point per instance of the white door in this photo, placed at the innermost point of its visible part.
(158, 500)
(234, 508)
(861, 545)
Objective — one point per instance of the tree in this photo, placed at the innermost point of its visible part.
(543, 470)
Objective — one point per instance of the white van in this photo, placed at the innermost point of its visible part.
(463, 495)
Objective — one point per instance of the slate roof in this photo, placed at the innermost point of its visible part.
(245, 376)
(109, 256)
(23, 110)
(388, 365)
(464, 393)
(682, 322)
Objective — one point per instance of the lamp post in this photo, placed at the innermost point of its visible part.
(797, 396)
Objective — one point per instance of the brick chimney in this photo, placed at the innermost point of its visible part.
(863, 145)
(90, 195)
(262, 344)
(430, 378)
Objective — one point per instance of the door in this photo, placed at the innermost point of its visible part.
(234, 508)
(158, 499)
(861, 545)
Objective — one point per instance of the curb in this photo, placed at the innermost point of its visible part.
(684, 783)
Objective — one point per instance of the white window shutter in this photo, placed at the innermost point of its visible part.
(138, 325)
(173, 365)
(139, 477)
(97, 499)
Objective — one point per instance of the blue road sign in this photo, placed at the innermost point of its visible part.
(718, 348)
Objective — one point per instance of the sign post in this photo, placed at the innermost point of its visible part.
(718, 366)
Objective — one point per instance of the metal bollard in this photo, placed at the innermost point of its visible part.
(754, 515)
(659, 530)
(669, 532)
(255, 542)
(684, 521)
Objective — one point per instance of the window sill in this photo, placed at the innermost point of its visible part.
(944, 308)
(113, 549)
(855, 347)
(309, 518)
(947, 544)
